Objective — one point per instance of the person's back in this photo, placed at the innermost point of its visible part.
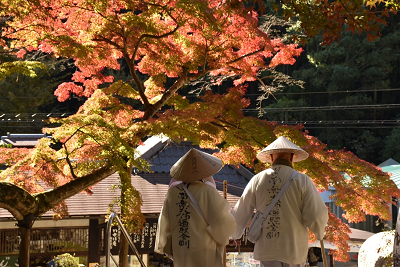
(196, 241)
(194, 244)
(284, 236)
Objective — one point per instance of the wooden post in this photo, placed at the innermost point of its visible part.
(396, 244)
(225, 190)
(323, 253)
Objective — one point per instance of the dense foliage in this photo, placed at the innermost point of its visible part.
(166, 45)
(350, 96)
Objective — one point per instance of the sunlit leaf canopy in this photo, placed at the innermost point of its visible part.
(24, 67)
(158, 38)
(173, 43)
(329, 18)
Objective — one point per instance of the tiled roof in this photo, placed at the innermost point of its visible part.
(85, 205)
(394, 171)
(152, 186)
(21, 140)
(170, 152)
(388, 162)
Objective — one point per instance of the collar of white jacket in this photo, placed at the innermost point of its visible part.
(209, 181)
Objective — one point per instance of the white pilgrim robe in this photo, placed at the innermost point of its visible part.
(284, 236)
(195, 243)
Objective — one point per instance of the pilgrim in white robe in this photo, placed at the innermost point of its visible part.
(284, 235)
(195, 242)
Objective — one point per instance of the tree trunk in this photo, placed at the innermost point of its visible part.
(123, 251)
(24, 246)
(124, 244)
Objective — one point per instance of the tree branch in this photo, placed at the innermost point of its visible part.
(246, 55)
(130, 61)
(219, 126)
(103, 39)
(184, 79)
(16, 200)
(51, 198)
(21, 203)
(69, 162)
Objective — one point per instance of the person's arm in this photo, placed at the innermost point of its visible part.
(244, 208)
(163, 228)
(220, 220)
(315, 212)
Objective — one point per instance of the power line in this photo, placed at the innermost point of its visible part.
(346, 124)
(277, 93)
(352, 127)
(28, 97)
(23, 121)
(30, 116)
(342, 122)
(48, 114)
(331, 92)
(305, 126)
(347, 107)
(43, 117)
(22, 126)
(380, 106)
(338, 124)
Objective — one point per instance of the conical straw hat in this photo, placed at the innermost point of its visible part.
(282, 145)
(195, 165)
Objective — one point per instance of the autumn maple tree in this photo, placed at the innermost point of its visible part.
(8, 66)
(172, 43)
(330, 18)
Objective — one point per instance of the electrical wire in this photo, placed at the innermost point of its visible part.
(47, 114)
(338, 122)
(293, 109)
(331, 92)
(352, 127)
(324, 92)
(380, 106)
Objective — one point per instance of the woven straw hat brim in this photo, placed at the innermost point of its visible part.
(282, 145)
(195, 165)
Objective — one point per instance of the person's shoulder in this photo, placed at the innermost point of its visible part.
(301, 175)
(204, 187)
(209, 191)
(261, 176)
(286, 171)
(281, 170)
(265, 172)
(303, 180)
